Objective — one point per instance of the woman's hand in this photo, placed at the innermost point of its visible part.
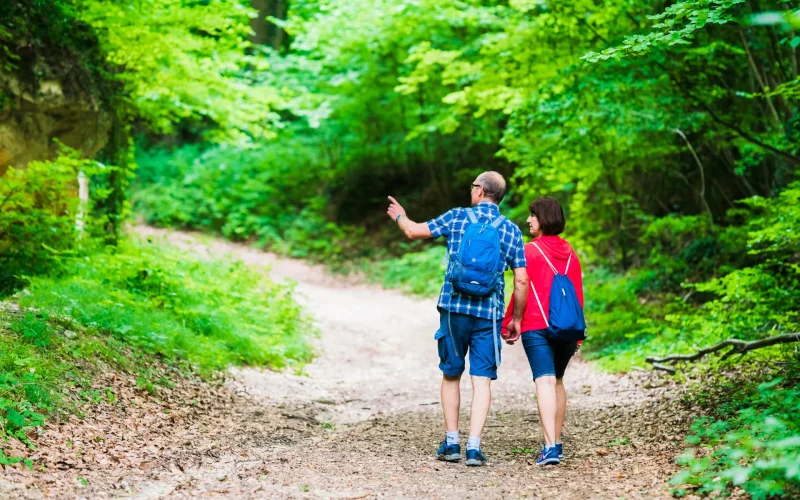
(514, 331)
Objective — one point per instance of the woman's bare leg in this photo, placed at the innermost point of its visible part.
(546, 400)
(561, 408)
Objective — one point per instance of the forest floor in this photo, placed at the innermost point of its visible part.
(362, 420)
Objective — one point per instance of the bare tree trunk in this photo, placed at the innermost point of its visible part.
(264, 31)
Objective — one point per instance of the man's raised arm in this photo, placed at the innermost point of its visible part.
(413, 230)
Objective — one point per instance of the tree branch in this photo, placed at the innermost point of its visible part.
(738, 347)
(668, 369)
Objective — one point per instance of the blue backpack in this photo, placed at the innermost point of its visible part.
(565, 321)
(478, 266)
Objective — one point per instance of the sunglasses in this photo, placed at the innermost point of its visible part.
(473, 186)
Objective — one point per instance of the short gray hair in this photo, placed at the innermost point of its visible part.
(494, 186)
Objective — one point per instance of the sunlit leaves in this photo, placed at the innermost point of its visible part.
(185, 63)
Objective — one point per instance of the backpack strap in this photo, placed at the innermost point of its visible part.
(471, 216)
(541, 309)
(548, 260)
(497, 221)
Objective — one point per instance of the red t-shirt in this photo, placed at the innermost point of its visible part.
(558, 251)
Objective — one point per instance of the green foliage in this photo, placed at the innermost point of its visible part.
(38, 214)
(40, 360)
(211, 314)
(266, 195)
(419, 273)
(186, 64)
(753, 444)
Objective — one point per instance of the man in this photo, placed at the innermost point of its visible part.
(468, 320)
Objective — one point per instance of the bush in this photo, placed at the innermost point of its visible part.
(754, 443)
(38, 210)
(419, 273)
(268, 194)
(211, 314)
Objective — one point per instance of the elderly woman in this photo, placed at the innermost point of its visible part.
(547, 254)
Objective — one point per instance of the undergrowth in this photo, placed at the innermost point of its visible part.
(127, 306)
(47, 364)
(750, 438)
(210, 313)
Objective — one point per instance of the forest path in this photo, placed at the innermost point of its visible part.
(370, 419)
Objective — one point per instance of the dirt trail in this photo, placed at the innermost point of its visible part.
(363, 420)
(375, 383)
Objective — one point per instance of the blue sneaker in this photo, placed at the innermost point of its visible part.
(475, 458)
(449, 452)
(560, 450)
(548, 456)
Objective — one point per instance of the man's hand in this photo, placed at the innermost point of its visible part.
(514, 331)
(413, 230)
(395, 209)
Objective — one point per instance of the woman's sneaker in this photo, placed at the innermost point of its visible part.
(449, 452)
(475, 458)
(549, 456)
(560, 449)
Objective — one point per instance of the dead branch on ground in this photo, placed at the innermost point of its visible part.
(737, 347)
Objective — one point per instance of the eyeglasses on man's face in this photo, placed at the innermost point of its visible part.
(473, 186)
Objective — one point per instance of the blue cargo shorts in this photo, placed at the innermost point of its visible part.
(470, 336)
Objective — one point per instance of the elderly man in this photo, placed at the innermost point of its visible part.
(481, 244)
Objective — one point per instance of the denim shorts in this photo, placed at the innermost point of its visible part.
(547, 357)
(473, 336)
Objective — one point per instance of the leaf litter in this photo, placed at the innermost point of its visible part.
(358, 423)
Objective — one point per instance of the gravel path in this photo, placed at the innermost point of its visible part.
(363, 420)
(370, 404)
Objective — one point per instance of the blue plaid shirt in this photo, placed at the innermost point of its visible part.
(452, 224)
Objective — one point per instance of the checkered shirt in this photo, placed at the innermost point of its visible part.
(451, 225)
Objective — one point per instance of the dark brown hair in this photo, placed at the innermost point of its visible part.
(550, 215)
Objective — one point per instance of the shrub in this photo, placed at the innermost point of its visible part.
(211, 314)
(753, 444)
(38, 210)
(267, 194)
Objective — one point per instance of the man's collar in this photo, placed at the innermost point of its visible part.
(487, 203)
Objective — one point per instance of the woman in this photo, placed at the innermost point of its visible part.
(548, 358)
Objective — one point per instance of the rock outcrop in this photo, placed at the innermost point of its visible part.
(51, 106)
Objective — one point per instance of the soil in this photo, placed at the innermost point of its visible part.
(361, 421)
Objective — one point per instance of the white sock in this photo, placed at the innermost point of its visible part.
(452, 437)
(474, 443)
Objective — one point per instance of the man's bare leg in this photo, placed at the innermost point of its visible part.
(451, 401)
(481, 401)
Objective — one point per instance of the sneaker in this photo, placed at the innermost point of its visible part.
(548, 456)
(475, 458)
(560, 450)
(449, 452)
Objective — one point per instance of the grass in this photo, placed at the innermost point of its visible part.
(166, 302)
(46, 369)
(127, 306)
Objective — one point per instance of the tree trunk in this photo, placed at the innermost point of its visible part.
(264, 31)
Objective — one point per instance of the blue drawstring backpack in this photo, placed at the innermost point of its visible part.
(565, 321)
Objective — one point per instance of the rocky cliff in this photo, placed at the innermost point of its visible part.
(50, 86)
